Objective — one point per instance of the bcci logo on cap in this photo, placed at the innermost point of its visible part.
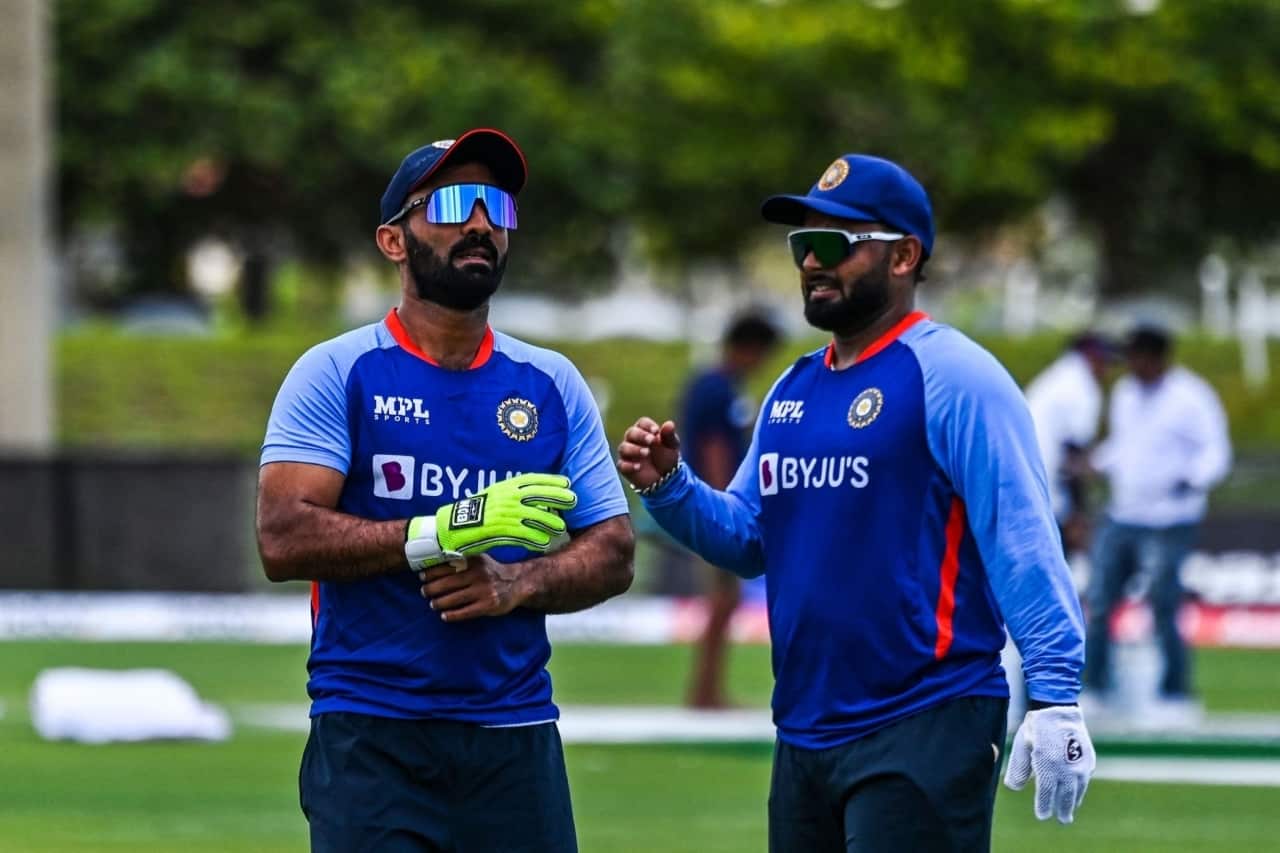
(518, 419)
(834, 176)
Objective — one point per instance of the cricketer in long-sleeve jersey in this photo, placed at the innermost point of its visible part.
(894, 498)
(900, 514)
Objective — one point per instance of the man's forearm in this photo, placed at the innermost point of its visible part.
(594, 566)
(321, 544)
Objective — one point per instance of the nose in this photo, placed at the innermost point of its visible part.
(478, 222)
(810, 263)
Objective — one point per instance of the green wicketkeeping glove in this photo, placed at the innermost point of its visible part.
(521, 511)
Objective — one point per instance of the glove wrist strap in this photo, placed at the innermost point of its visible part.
(422, 544)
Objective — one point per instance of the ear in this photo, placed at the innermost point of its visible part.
(390, 240)
(907, 255)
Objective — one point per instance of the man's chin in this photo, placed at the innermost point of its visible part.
(824, 314)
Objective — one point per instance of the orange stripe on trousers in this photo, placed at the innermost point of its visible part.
(948, 571)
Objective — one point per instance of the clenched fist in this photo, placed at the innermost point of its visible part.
(648, 451)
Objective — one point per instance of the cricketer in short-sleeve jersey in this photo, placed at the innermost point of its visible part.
(900, 513)
(713, 408)
(411, 437)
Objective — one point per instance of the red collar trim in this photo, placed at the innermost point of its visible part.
(398, 332)
(828, 358)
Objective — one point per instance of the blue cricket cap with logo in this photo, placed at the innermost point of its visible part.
(484, 145)
(863, 188)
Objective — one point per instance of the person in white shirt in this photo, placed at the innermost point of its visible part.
(1167, 447)
(1065, 400)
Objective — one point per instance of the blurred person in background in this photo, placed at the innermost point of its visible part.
(895, 501)
(1167, 446)
(716, 419)
(392, 449)
(1065, 400)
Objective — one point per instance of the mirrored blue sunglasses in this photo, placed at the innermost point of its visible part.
(452, 205)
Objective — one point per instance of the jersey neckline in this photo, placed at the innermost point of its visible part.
(406, 343)
(876, 346)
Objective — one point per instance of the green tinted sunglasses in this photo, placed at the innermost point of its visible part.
(830, 246)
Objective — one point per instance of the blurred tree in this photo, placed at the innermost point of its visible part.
(1191, 94)
(278, 126)
(1159, 121)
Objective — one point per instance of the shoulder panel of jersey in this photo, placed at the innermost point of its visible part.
(588, 459)
(308, 421)
(962, 380)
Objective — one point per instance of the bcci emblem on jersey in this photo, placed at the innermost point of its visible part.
(865, 408)
(518, 419)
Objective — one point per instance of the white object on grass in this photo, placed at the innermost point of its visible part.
(103, 706)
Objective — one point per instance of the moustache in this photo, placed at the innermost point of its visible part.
(812, 280)
(472, 243)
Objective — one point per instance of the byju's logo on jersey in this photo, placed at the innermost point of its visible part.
(393, 476)
(400, 410)
(786, 411)
(403, 478)
(784, 473)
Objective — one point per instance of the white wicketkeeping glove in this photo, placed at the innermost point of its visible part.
(1053, 744)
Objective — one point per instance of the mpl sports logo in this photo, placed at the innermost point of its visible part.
(786, 411)
(403, 478)
(784, 473)
(400, 410)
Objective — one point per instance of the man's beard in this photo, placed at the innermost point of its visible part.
(441, 282)
(859, 304)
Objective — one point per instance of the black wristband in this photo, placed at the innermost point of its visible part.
(1037, 705)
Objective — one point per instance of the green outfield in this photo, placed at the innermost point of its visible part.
(241, 795)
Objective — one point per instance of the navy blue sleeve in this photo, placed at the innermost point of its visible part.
(708, 405)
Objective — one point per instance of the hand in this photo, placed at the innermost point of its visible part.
(467, 589)
(648, 451)
(1053, 744)
(1075, 532)
(520, 511)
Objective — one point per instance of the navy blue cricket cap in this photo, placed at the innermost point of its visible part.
(483, 145)
(865, 188)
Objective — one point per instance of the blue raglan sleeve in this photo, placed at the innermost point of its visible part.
(308, 420)
(587, 460)
(981, 434)
(721, 527)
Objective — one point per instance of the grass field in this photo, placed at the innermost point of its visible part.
(241, 795)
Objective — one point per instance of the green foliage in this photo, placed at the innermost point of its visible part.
(279, 127)
(117, 390)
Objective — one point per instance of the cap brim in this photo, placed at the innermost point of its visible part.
(493, 148)
(791, 209)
